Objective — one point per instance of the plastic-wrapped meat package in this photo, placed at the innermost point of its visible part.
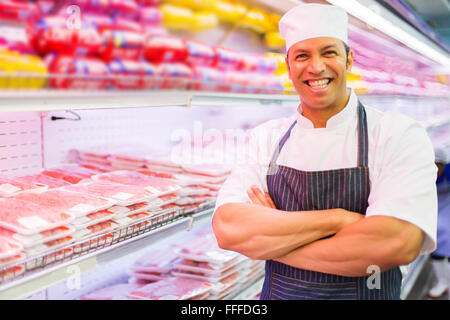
(115, 292)
(156, 261)
(8, 247)
(11, 186)
(96, 229)
(214, 170)
(38, 238)
(120, 194)
(130, 160)
(93, 218)
(76, 169)
(29, 218)
(207, 269)
(145, 277)
(97, 167)
(195, 200)
(49, 246)
(164, 169)
(195, 191)
(74, 203)
(46, 180)
(206, 249)
(12, 260)
(171, 289)
(133, 218)
(157, 186)
(57, 173)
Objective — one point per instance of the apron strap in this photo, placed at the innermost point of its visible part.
(363, 141)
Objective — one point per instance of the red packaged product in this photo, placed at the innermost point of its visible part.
(154, 185)
(55, 39)
(18, 11)
(78, 73)
(8, 247)
(45, 180)
(258, 63)
(122, 24)
(115, 292)
(227, 59)
(208, 79)
(125, 45)
(97, 21)
(10, 186)
(199, 54)
(127, 8)
(150, 16)
(159, 49)
(29, 218)
(128, 74)
(171, 289)
(88, 42)
(175, 75)
(61, 200)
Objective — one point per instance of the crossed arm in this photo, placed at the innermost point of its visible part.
(260, 231)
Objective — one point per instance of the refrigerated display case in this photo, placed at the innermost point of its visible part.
(40, 128)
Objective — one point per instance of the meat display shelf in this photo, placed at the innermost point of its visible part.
(36, 273)
(51, 100)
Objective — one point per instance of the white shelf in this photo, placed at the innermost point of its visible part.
(39, 280)
(51, 100)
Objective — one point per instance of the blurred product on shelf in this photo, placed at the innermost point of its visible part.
(129, 74)
(158, 49)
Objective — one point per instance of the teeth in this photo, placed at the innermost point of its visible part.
(319, 83)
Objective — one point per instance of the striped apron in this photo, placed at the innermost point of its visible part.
(348, 188)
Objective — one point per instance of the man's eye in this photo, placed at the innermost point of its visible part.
(301, 56)
(330, 53)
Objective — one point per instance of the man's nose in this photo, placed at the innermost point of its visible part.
(316, 65)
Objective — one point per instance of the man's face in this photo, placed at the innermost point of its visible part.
(318, 69)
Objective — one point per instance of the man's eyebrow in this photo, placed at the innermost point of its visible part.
(306, 50)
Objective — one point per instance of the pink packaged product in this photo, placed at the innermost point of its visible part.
(29, 218)
(74, 203)
(227, 59)
(11, 186)
(175, 75)
(207, 269)
(147, 277)
(43, 179)
(154, 185)
(49, 246)
(8, 247)
(118, 193)
(171, 289)
(157, 261)
(96, 229)
(211, 279)
(150, 16)
(194, 191)
(115, 292)
(93, 218)
(12, 260)
(39, 238)
(134, 218)
(199, 54)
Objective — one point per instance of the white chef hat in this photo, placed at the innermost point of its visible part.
(313, 20)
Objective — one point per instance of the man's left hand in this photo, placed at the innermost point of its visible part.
(259, 197)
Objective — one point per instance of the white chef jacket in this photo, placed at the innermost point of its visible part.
(401, 161)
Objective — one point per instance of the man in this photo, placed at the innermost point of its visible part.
(338, 191)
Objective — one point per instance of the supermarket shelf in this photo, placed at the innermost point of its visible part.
(48, 100)
(90, 258)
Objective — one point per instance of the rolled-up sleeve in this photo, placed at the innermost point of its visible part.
(405, 184)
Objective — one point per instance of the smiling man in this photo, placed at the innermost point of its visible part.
(336, 191)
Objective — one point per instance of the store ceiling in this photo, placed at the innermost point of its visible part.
(436, 13)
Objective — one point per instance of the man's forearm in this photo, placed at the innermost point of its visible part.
(264, 233)
(381, 241)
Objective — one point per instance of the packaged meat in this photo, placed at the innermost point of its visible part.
(175, 75)
(96, 229)
(46, 180)
(193, 191)
(171, 289)
(28, 241)
(208, 269)
(199, 54)
(49, 246)
(115, 292)
(132, 219)
(199, 277)
(11, 186)
(93, 218)
(158, 49)
(145, 276)
(157, 260)
(164, 169)
(8, 247)
(61, 200)
(117, 193)
(119, 44)
(74, 169)
(156, 186)
(128, 74)
(78, 73)
(12, 260)
(227, 59)
(28, 218)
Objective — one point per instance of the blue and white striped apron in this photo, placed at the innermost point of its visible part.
(347, 188)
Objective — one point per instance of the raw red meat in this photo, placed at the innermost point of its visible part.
(94, 218)
(39, 238)
(122, 194)
(45, 180)
(116, 292)
(10, 186)
(157, 186)
(25, 217)
(8, 247)
(171, 289)
(48, 246)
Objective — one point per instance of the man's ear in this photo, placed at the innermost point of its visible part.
(350, 61)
